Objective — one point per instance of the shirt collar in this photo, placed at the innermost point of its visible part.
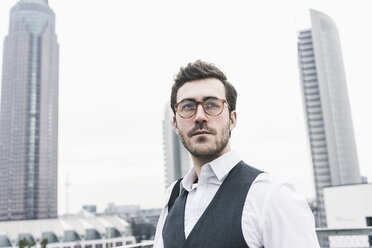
(189, 179)
(221, 166)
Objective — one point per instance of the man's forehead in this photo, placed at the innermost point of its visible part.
(200, 89)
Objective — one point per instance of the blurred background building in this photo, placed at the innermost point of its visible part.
(142, 221)
(177, 158)
(327, 108)
(90, 208)
(29, 114)
(68, 232)
(123, 210)
(348, 206)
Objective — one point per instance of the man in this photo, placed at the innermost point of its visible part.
(222, 202)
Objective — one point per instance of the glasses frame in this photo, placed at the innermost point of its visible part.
(223, 101)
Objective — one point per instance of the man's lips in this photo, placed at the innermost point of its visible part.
(200, 132)
(201, 129)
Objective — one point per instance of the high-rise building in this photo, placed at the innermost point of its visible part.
(29, 114)
(177, 158)
(327, 109)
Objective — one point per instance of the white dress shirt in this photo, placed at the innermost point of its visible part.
(274, 215)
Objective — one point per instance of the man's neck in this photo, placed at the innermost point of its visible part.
(200, 161)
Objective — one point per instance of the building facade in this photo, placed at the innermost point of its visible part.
(349, 206)
(90, 208)
(29, 114)
(68, 232)
(176, 157)
(327, 108)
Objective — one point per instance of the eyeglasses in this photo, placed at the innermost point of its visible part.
(212, 106)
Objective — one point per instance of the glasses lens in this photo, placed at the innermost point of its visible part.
(213, 106)
(186, 108)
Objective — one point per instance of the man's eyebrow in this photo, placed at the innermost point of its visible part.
(193, 99)
(208, 97)
(189, 99)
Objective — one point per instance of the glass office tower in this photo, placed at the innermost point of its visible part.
(29, 114)
(177, 158)
(327, 108)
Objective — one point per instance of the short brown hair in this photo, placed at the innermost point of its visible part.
(202, 70)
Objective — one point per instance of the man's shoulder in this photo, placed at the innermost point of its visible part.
(174, 193)
(263, 183)
(247, 173)
(268, 190)
(248, 167)
(267, 183)
(263, 178)
(169, 192)
(272, 202)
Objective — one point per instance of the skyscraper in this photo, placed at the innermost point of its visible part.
(327, 108)
(177, 158)
(29, 114)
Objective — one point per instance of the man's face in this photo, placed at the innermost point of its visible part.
(203, 135)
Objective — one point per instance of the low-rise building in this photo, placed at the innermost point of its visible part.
(69, 232)
(349, 206)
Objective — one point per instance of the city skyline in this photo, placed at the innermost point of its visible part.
(327, 108)
(116, 56)
(29, 114)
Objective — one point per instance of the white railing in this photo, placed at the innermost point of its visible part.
(328, 238)
(345, 237)
(143, 244)
(331, 238)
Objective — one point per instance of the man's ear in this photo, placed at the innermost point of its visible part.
(175, 125)
(233, 117)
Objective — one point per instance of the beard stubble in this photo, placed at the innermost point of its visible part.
(213, 150)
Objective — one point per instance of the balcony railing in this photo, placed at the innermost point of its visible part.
(328, 238)
(345, 237)
(143, 244)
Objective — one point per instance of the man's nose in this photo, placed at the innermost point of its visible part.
(200, 115)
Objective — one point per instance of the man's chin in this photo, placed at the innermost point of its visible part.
(200, 139)
(202, 150)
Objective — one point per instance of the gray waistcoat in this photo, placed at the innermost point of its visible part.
(220, 226)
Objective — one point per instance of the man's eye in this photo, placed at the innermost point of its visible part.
(188, 106)
(211, 105)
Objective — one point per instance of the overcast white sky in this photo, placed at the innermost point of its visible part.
(117, 62)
